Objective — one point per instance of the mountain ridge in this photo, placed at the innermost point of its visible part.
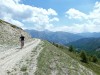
(57, 37)
(86, 43)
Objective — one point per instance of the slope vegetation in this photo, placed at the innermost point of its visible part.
(53, 61)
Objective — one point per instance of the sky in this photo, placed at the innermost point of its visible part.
(74, 16)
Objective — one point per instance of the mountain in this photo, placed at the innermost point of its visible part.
(89, 35)
(90, 45)
(86, 43)
(38, 57)
(57, 37)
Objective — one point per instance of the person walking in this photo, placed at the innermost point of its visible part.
(22, 41)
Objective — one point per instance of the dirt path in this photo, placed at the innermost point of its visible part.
(9, 58)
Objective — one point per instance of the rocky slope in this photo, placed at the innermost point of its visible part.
(9, 35)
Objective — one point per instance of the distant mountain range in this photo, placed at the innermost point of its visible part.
(86, 43)
(90, 45)
(88, 34)
(57, 37)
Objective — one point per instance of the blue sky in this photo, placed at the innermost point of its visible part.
(55, 15)
(61, 6)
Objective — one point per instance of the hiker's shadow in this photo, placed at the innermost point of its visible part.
(18, 48)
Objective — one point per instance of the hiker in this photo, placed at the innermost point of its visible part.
(22, 41)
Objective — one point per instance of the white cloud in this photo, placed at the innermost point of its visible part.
(54, 19)
(41, 19)
(76, 28)
(22, 14)
(51, 12)
(76, 14)
(8, 18)
(90, 22)
(17, 1)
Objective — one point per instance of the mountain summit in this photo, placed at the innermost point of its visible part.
(37, 57)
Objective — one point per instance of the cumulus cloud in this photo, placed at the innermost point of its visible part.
(38, 18)
(17, 1)
(90, 22)
(75, 14)
(54, 19)
(21, 14)
(77, 28)
(51, 12)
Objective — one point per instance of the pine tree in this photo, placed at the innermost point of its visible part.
(71, 48)
(94, 59)
(83, 57)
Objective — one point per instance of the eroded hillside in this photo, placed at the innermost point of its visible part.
(10, 34)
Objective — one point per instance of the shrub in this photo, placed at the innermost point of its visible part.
(71, 48)
(83, 57)
(0, 21)
(94, 59)
(24, 68)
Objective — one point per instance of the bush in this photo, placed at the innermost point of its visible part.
(24, 68)
(94, 59)
(0, 21)
(58, 45)
(83, 57)
(71, 48)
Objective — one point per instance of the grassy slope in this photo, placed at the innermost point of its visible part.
(54, 61)
(94, 66)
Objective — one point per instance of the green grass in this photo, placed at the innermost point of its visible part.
(93, 66)
(14, 26)
(43, 64)
(46, 58)
(1, 21)
(53, 59)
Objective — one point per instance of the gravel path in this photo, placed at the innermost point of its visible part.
(9, 58)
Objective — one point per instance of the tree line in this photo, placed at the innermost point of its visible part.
(83, 54)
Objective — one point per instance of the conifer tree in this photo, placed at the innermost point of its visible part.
(71, 48)
(94, 59)
(83, 57)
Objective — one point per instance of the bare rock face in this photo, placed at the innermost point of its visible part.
(10, 34)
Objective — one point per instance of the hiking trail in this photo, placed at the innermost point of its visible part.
(10, 59)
